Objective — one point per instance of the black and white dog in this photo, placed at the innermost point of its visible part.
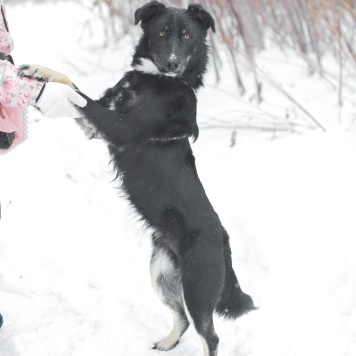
(147, 119)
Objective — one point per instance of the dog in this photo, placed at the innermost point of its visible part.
(147, 119)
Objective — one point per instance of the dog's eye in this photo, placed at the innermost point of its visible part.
(186, 36)
(161, 34)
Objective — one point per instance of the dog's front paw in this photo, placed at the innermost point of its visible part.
(36, 72)
(44, 74)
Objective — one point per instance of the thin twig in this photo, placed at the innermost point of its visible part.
(284, 92)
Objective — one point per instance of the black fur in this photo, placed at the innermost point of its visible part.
(147, 120)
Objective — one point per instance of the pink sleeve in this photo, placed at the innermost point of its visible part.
(17, 92)
(6, 41)
(12, 120)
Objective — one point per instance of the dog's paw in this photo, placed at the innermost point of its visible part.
(36, 72)
(165, 345)
(44, 74)
(89, 130)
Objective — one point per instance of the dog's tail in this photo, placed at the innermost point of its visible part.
(233, 302)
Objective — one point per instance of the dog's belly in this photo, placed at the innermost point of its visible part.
(161, 182)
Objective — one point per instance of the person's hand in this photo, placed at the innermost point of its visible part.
(56, 100)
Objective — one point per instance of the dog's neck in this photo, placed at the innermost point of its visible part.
(192, 76)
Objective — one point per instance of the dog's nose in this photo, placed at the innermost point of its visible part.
(172, 65)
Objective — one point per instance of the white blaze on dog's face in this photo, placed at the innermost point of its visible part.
(172, 36)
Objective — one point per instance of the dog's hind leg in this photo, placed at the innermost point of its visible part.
(166, 281)
(202, 281)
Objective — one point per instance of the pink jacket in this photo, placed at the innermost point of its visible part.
(15, 93)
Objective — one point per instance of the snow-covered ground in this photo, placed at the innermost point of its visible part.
(74, 276)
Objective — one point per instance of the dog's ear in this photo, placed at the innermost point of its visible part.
(147, 11)
(202, 16)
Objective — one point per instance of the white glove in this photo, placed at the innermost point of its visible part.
(56, 100)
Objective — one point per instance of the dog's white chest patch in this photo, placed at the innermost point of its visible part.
(147, 66)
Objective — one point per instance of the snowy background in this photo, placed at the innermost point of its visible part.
(74, 276)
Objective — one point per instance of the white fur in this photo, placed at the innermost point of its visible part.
(112, 105)
(168, 342)
(88, 128)
(161, 264)
(170, 74)
(205, 346)
(147, 66)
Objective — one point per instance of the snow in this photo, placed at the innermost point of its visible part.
(74, 276)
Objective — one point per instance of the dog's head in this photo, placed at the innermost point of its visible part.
(173, 37)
